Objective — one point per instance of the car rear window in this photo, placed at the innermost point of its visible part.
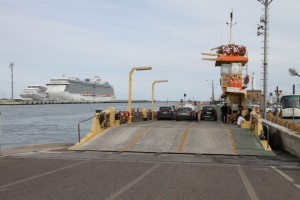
(185, 109)
(208, 109)
(165, 108)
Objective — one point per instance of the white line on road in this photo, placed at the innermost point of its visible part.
(247, 184)
(40, 175)
(129, 185)
(287, 177)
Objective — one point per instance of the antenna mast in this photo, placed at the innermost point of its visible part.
(230, 27)
(11, 67)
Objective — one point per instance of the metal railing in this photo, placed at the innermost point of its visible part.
(268, 130)
(79, 126)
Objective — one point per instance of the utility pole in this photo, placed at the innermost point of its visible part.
(213, 91)
(265, 27)
(11, 67)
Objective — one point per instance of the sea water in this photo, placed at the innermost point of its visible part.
(24, 125)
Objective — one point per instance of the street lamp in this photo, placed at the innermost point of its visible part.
(130, 86)
(152, 102)
(212, 91)
(11, 67)
(293, 72)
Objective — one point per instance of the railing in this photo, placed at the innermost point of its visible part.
(268, 129)
(79, 126)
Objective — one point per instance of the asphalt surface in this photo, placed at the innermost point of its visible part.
(185, 160)
(61, 174)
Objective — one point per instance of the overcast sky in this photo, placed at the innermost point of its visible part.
(48, 38)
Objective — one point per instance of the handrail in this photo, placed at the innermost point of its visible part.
(268, 130)
(79, 126)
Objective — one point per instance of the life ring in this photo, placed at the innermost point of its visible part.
(246, 79)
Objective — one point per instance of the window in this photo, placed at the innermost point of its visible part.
(233, 68)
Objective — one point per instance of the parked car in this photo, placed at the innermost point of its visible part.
(209, 112)
(166, 112)
(185, 113)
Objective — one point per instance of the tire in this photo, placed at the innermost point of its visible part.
(216, 119)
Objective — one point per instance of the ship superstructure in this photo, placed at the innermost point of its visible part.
(231, 59)
(35, 93)
(74, 89)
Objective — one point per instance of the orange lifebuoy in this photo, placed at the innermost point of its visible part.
(246, 79)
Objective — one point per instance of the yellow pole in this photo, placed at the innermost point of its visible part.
(129, 94)
(130, 86)
(152, 102)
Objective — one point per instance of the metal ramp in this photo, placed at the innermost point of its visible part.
(204, 137)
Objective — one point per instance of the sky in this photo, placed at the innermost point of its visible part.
(48, 38)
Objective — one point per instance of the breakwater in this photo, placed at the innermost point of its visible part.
(26, 102)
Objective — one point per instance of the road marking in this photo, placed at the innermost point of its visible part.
(135, 139)
(233, 146)
(247, 184)
(183, 138)
(287, 177)
(129, 185)
(41, 175)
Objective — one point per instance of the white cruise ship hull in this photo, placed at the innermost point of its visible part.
(35, 97)
(66, 96)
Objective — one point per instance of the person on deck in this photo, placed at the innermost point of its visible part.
(224, 112)
(245, 118)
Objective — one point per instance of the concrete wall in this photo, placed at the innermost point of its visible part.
(284, 139)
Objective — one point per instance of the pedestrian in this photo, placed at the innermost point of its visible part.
(224, 112)
(238, 114)
(244, 118)
(196, 111)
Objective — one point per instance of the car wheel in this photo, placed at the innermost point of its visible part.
(216, 118)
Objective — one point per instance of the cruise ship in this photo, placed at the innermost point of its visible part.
(74, 89)
(34, 93)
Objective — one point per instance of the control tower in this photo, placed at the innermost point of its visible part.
(231, 59)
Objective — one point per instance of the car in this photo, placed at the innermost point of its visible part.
(222, 103)
(166, 112)
(209, 112)
(185, 113)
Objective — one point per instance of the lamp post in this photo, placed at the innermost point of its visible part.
(152, 102)
(212, 91)
(130, 86)
(11, 67)
(265, 21)
(293, 72)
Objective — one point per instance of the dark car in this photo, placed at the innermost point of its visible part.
(166, 112)
(209, 112)
(185, 113)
